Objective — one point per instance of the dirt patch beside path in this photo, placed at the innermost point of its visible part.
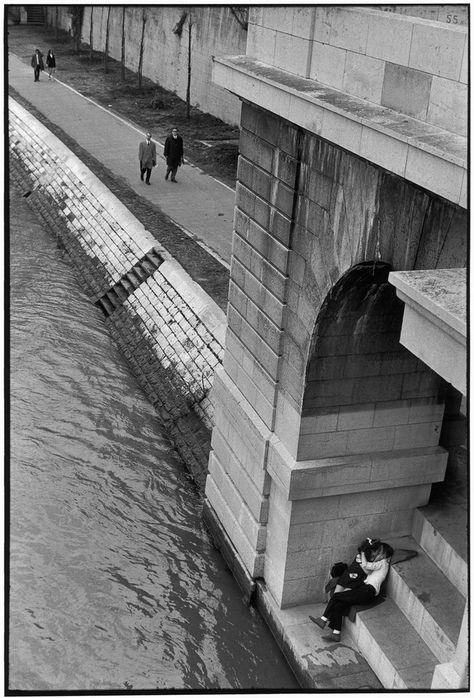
(209, 143)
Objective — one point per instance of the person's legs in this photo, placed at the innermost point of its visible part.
(173, 174)
(148, 174)
(37, 74)
(142, 172)
(340, 603)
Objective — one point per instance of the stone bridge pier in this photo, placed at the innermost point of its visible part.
(327, 429)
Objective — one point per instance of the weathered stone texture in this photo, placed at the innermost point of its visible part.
(385, 59)
(215, 31)
(167, 328)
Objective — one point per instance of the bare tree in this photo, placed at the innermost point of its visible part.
(188, 86)
(241, 14)
(76, 12)
(106, 49)
(91, 34)
(122, 56)
(140, 59)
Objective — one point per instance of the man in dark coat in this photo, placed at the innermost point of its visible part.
(37, 63)
(147, 157)
(173, 153)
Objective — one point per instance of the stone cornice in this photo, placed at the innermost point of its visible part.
(424, 154)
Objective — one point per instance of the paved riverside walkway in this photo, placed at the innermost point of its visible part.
(198, 203)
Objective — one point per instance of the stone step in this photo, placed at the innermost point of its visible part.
(424, 594)
(442, 533)
(392, 647)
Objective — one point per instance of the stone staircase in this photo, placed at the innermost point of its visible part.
(417, 627)
(34, 14)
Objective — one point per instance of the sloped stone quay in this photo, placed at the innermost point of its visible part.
(172, 334)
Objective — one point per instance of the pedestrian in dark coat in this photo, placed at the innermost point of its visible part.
(37, 63)
(51, 62)
(147, 157)
(173, 153)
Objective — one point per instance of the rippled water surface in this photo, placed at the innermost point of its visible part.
(114, 583)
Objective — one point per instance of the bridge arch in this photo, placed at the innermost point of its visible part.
(364, 392)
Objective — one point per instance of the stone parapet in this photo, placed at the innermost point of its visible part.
(415, 66)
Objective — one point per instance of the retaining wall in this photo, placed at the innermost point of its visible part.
(170, 331)
(215, 31)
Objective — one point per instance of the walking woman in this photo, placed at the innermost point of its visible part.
(51, 63)
(365, 592)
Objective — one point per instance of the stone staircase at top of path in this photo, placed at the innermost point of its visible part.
(417, 626)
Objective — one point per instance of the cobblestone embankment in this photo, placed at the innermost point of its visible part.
(171, 332)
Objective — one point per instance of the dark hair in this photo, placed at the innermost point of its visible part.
(387, 550)
(338, 568)
(370, 547)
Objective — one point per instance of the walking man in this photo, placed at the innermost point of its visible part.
(173, 153)
(37, 64)
(147, 157)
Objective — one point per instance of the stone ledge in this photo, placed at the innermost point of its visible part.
(434, 320)
(327, 477)
(441, 293)
(420, 152)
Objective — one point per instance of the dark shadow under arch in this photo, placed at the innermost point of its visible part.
(364, 392)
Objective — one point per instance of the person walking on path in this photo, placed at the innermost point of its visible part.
(51, 63)
(173, 153)
(147, 157)
(37, 63)
(364, 593)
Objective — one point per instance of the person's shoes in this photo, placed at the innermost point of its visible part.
(148, 182)
(319, 621)
(174, 180)
(333, 637)
(167, 175)
(141, 177)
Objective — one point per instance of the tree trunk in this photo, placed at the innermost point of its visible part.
(188, 86)
(56, 32)
(106, 50)
(91, 35)
(140, 61)
(122, 57)
(76, 21)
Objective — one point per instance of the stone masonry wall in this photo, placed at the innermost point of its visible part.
(171, 332)
(238, 485)
(306, 213)
(414, 66)
(215, 31)
(350, 211)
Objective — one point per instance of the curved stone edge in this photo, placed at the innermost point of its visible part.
(102, 236)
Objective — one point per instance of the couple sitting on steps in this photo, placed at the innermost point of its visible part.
(358, 584)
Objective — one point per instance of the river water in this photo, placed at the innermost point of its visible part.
(113, 582)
